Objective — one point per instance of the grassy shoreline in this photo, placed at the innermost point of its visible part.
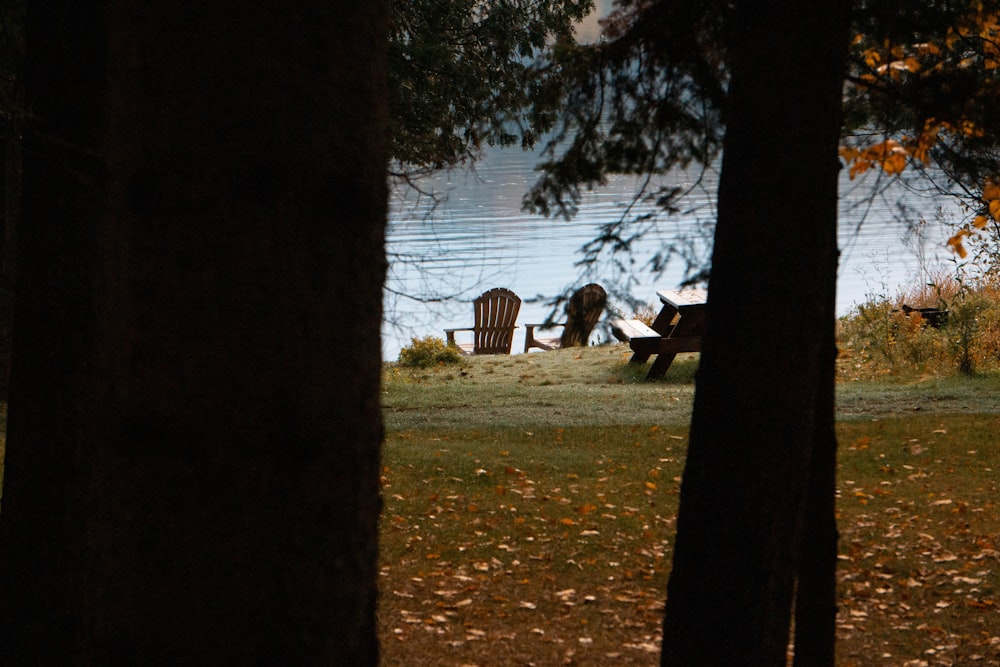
(530, 503)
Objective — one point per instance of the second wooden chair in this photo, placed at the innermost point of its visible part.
(583, 311)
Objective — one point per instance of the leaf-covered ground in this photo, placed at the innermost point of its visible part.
(527, 538)
(920, 547)
(517, 548)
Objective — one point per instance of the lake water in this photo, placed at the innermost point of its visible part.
(475, 236)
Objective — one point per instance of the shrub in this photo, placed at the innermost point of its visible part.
(878, 338)
(429, 351)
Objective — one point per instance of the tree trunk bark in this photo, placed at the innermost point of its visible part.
(194, 430)
(816, 588)
(765, 361)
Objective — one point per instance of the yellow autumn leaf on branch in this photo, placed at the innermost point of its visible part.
(950, 39)
(969, 129)
(921, 147)
(859, 167)
(995, 209)
(928, 48)
(991, 192)
(956, 245)
(894, 164)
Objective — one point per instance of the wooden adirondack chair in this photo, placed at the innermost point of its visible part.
(493, 330)
(582, 314)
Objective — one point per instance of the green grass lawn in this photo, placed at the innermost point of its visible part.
(530, 505)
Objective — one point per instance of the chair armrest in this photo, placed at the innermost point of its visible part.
(529, 334)
(450, 333)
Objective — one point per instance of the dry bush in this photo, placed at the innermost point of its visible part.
(646, 314)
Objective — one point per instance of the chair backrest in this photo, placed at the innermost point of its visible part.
(495, 319)
(582, 314)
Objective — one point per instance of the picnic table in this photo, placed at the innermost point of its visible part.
(677, 328)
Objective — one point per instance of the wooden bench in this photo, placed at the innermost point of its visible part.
(628, 330)
(645, 342)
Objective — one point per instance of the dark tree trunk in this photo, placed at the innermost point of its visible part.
(193, 452)
(11, 180)
(766, 360)
(816, 600)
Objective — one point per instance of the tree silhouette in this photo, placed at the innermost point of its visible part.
(763, 413)
(760, 82)
(192, 468)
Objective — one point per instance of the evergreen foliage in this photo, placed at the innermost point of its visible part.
(648, 98)
(462, 76)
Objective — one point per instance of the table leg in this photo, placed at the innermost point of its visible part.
(639, 358)
(660, 366)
